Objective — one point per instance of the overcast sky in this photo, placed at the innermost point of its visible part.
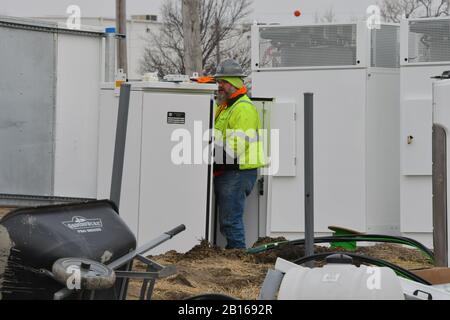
(263, 10)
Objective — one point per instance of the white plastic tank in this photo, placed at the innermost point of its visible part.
(340, 281)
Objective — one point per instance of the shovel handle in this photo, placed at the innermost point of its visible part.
(172, 233)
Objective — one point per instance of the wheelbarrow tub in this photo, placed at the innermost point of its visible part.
(34, 238)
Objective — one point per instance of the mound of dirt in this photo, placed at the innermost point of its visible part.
(236, 273)
(208, 269)
(204, 251)
(404, 257)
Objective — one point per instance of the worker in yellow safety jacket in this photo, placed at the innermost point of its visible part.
(238, 151)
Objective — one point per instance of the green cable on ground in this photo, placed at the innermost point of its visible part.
(266, 247)
(366, 259)
(349, 239)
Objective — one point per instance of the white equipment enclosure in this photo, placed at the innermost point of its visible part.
(353, 73)
(48, 127)
(167, 165)
(441, 120)
(425, 53)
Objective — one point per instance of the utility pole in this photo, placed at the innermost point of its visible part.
(121, 24)
(191, 34)
(217, 40)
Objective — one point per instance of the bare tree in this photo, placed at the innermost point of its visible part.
(394, 10)
(435, 8)
(327, 17)
(221, 26)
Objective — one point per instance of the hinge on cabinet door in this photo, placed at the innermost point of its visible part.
(295, 116)
(295, 161)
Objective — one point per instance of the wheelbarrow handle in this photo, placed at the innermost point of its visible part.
(172, 233)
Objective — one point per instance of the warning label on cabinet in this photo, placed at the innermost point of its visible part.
(176, 118)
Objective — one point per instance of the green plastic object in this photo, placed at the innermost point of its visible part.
(348, 245)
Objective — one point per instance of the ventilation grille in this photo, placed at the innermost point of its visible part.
(307, 46)
(429, 41)
(385, 47)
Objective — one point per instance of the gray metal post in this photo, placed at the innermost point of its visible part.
(309, 176)
(121, 137)
(439, 178)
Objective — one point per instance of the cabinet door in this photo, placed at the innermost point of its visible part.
(284, 176)
(283, 145)
(175, 126)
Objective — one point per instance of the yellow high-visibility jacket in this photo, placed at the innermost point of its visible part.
(238, 126)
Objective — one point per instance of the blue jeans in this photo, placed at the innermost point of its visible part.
(231, 189)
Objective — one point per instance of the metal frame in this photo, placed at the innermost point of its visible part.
(30, 200)
(404, 43)
(44, 26)
(154, 270)
(363, 54)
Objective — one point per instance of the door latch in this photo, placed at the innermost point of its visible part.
(261, 186)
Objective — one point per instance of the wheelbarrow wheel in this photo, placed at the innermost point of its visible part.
(83, 274)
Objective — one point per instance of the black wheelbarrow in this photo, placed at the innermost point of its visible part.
(75, 251)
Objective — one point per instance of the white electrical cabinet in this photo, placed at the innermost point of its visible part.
(167, 177)
(49, 110)
(441, 118)
(424, 53)
(353, 73)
